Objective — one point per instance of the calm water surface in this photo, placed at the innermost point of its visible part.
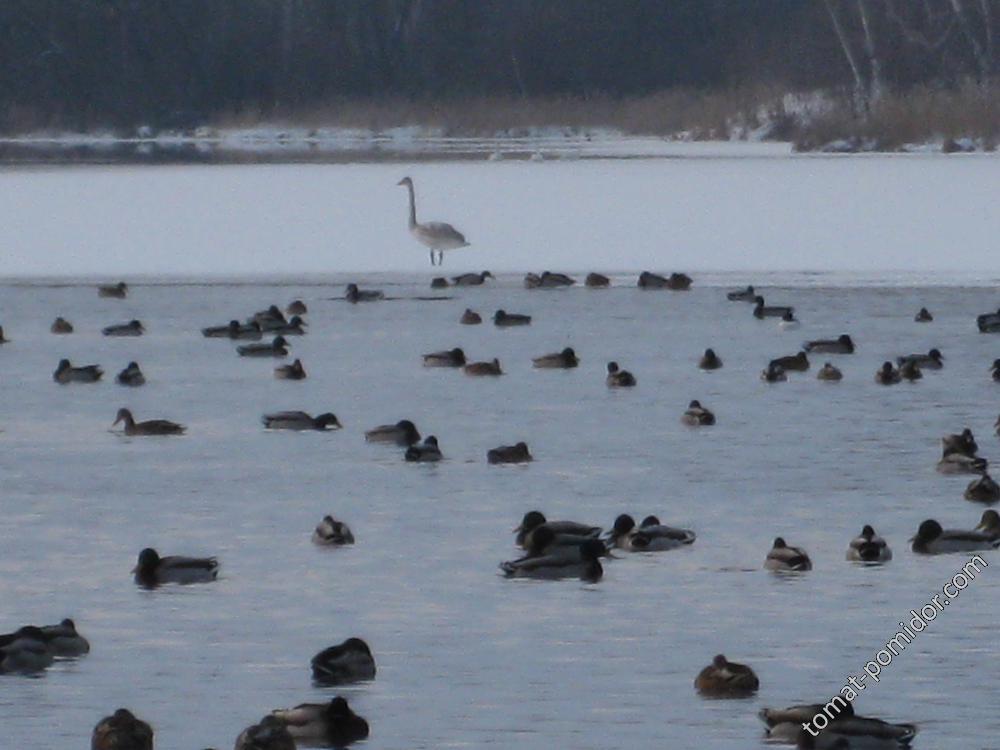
(466, 658)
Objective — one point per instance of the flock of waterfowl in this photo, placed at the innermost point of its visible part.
(552, 549)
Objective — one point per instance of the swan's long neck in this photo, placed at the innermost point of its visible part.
(413, 205)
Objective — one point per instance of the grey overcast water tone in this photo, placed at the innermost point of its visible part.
(466, 658)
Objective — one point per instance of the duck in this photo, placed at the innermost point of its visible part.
(333, 723)
(995, 370)
(596, 281)
(709, 360)
(650, 536)
(959, 463)
(331, 532)
(300, 420)
(840, 345)
(503, 319)
(355, 295)
(725, 679)
(534, 520)
(471, 279)
(788, 322)
(149, 427)
(990, 524)
(697, 415)
(773, 373)
(296, 307)
(25, 651)
(277, 348)
(924, 316)
(983, 490)
(350, 661)
(132, 328)
(425, 452)
(618, 378)
(565, 359)
(483, 368)
(868, 547)
(66, 373)
(795, 363)
(547, 280)
(845, 730)
(931, 539)
(887, 374)
(829, 372)
(933, 360)
(268, 319)
(61, 326)
(785, 558)
(544, 541)
(761, 310)
(989, 323)
(294, 371)
(64, 640)
(742, 295)
(117, 291)
(450, 358)
(910, 371)
(122, 731)
(268, 734)
(131, 376)
(153, 570)
(294, 327)
(509, 454)
(403, 433)
(556, 564)
(439, 282)
(963, 442)
(470, 318)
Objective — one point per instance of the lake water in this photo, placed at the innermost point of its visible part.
(466, 658)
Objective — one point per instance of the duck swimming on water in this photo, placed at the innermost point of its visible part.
(331, 532)
(153, 570)
(66, 373)
(149, 427)
(132, 328)
(782, 557)
(618, 378)
(565, 359)
(294, 371)
(131, 376)
(300, 420)
(868, 547)
(403, 433)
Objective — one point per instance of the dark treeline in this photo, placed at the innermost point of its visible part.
(176, 63)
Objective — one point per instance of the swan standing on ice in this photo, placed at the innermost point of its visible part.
(434, 234)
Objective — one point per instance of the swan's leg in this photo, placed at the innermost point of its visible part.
(432, 257)
(440, 257)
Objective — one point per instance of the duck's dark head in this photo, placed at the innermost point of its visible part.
(532, 520)
(568, 353)
(296, 321)
(779, 543)
(709, 354)
(720, 662)
(406, 181)
(328, 419)
(279, 341)
(135, 324)
(522, 447)
(499, 315)
(457, 353)
(431, 440)
(358, 645)
(612, 368)
(486, 275)
(759, 301)
(338, 708)
(409, 430)
(623, 524)
(132, 366)
(694, 404)
(68, 624)
(649, 521)
(929, 530)
(868, 532)
(64, 364)
(148, 560)
(124, 415)
(788, 316)
(887, 368)
(935, 354)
